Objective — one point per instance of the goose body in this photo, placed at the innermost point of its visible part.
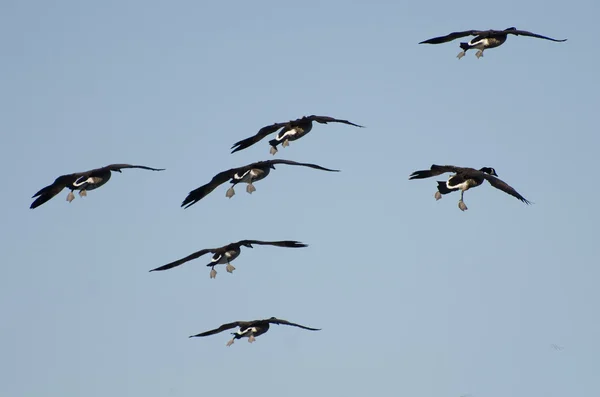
(288, 131)
(227, 253)
(465, 179)
(250, 329)
(247, 174)
(81, 181)
(484, 39)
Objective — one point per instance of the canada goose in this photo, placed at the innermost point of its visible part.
(290, 131)
(465, 179)
(82, 181)
(484, 39)
(250, 329)
(247, 174)
(227, 254)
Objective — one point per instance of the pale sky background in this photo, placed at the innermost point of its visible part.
(414, 297)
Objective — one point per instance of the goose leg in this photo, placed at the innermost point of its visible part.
(251, 338)
(213, 273)
(230, 192)
(250, 188)
(230, 342)
(479, 54)
(70, 196)
(229, 268)
(461, 203)
(82, 193)
(461, 54)
(273, 150)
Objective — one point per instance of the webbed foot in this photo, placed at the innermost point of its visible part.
(229, 268)
(462, 205)
(273, 150)
(213, 273)
(70, 196)
(285, 143)
(230, 192)
(230, 342)
(250, 188)
(479, 54)
(82, 193)
(461, 54)
(437, 196)
(251, 339)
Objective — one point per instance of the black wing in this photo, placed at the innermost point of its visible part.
(434, 171)
(290, 162)
(222, 328)
(505, 187)
(285, 243)
(188, 258)
(118, 167)
(517, 32)
(274, 320)
(263, 132)
(451, 36)
(327, 119)
(198, 194)
(52, 190)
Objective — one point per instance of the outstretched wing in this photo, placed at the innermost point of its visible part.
(517, 32)
(327, 119)
(451, 36)
(285, 243)
(290, 162)
(434, 171)
(274, 320)
(118, 167)
(198, 194)
(181, 261)
(52, 190)
(263, 132)
(222, 328)
(505, 187)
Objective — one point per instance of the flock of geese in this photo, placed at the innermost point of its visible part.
(462, 179)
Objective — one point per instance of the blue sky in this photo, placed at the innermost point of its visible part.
(414, 297)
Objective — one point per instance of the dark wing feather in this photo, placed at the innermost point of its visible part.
(285, 243)
(222, 328)
(181, 261)
(505, 187)
(263, 132)
(290, 162)
(285, 322)
(327, 119)
(52, 190)
(434, 171)
(517, 32)
(451, 36)
(118, 167)
(198, 194)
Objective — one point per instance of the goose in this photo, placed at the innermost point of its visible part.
(484, 39)
(290, 131)
(227, 254)
(250, 329)
(82, 181)
(465, 179)
(247, 174)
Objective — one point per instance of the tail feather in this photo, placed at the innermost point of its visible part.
(443, 188)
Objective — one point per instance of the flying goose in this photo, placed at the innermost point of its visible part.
(227, 254)
(465, 179)
(290, 131)
(251, 329)
(82, 181)
(484, 39)
(247, 174)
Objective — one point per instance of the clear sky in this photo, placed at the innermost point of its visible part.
(414, 297)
